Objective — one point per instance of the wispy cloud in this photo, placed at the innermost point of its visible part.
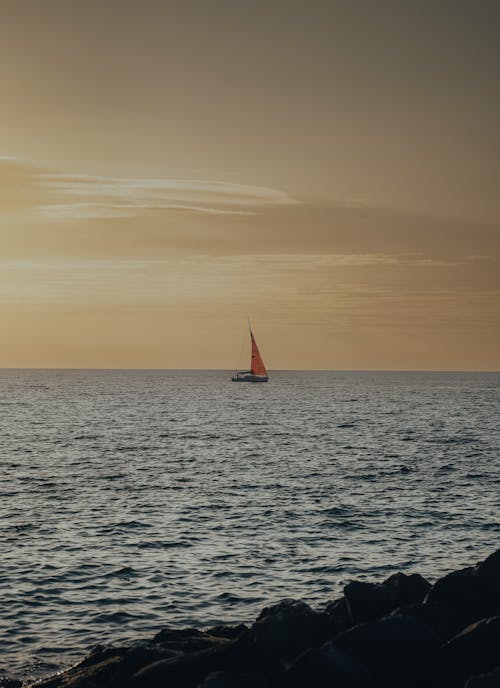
(304, 276)
(108, 209)
(313, 261)
(57, 195)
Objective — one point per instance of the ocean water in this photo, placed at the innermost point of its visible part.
(132, 500)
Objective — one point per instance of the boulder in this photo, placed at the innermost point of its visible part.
(237, 656)
(401, 632)
(399, 650)
(221, 679)
(339, 618)
(372, 601)
(108, 666)
(490, 680)
(427, 614)
(411, 588)
(229, 632)
(168, 634)
(478, 645)
(490, 567)
(327, 666)
(187, 640)
(369, 601)
(287, 628)
(464, 597)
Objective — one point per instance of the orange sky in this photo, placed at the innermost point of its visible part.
(329, 169)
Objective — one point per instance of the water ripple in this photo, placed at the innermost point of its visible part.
(132, 500)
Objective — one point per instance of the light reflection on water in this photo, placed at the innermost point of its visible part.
(132, 500)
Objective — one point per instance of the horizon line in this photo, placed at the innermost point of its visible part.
(274, 370)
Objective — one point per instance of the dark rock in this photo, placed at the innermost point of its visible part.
(327, 666)
(287, 628)
(187, 639)
(173, 634)
(464, 597)
(100, 653)
(490, 567)
(466, 571)
(386, 635)
(101, 674)
(228, 632)
(369, 601)
(427, 614)
(221, 679)
(411, 588)
(339, 618)
(398, 649)
(478, 646)
(108, 666)
(6, 682)
(490, 680)
(187, 671)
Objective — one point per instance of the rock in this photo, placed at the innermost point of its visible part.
(387, 634)
(228, 632)
(427, 614)
(187, 640)
(187, 670)
(325, 667)
(287, 628)
(478, 645)
(490, 567)
(237, 656)
(108, 666)
(490, 680)
(339, 618)
(102, 674)
(397, 649)
(411, 588)
(464, 597)
(369, 601)
(174, 634)
(6, 682)
(221, 679)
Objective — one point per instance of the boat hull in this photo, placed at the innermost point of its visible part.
(250, 378)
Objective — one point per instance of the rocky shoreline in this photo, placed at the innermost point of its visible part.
(400, 633)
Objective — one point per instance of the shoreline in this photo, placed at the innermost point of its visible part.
(403, 631)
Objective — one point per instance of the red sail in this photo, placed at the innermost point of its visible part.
(257, 365)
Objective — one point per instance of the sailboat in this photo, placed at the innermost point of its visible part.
(257, 372)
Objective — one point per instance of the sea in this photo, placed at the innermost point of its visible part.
(135, 500)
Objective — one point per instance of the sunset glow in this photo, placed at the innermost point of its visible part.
(169, 170)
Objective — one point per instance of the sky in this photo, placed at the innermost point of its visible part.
(328, 169)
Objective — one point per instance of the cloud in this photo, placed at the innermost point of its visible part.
(306, 276)
(62, 196)
(102, 210)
